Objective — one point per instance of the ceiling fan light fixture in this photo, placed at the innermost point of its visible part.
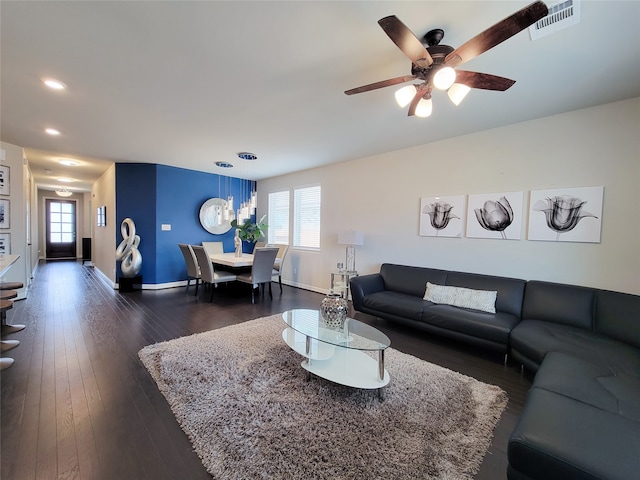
(405, 95)
(457, 92)
(424, 108)
(444, 78)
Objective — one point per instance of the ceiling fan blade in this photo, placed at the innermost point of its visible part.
(497, 34)
(423, 90)
(406, 41)
(484, 81)
(381, 84)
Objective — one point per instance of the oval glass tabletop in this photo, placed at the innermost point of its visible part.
(355, 334)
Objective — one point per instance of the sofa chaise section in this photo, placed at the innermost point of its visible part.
(582, 415)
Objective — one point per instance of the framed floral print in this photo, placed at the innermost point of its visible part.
(5, 244)
(566, 214)
(441, 216)
(5, 216)
(495, 215)
(5, 187)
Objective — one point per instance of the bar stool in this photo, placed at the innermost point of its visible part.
(7, 293)
(6, 344)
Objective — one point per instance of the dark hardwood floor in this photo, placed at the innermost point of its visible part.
(77, 403)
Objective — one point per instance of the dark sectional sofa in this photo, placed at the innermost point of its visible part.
(582, 416)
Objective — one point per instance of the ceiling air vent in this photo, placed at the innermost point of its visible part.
(561, 15)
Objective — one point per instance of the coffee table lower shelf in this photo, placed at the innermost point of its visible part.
(342, 365)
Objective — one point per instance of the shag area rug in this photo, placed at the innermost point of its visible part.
(243, 399)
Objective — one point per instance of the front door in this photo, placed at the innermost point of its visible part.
(61, 229)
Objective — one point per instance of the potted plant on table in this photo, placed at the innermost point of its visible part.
(249, 231)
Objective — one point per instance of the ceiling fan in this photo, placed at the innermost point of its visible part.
(434, 64)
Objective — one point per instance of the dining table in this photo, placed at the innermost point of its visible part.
(230, 260)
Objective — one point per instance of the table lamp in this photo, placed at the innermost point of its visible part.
(350, 238)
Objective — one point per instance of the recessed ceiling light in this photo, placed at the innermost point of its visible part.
(69, 163)
(247, 156)
(65, 180)
(224, 164)
(52, 131)
(54, 84)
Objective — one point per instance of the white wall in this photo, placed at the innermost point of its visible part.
(103, 250)
(20, 196)
(380, 196)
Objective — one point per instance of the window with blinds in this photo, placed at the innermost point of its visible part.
(306, 217)
(278, 231)
(305, 226)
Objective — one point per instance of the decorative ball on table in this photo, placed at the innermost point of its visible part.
(334, 309)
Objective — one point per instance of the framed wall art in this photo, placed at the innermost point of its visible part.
(101, 216)
(441, 216)
(4, 180)
(5, 244)
(495, 215)
(566, 214)
(5, 214)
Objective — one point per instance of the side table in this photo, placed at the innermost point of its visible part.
(340, 282)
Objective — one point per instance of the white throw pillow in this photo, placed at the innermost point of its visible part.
(484, 300)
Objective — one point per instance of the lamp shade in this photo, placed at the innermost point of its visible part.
(457, 92)
(405, 95)
(350, 237)
(424, 107)
(444, 78)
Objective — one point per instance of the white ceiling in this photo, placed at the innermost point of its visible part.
(191, 83)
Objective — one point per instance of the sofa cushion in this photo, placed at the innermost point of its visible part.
(484, 300)
(510, 290)
(410, 280)
(394, 303)
(595, 384)
(534, 339)
(558, 303)
(618, 316)
(557, 438)
(489, 326)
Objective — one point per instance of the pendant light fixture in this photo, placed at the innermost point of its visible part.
(63, 192)
(252, 194)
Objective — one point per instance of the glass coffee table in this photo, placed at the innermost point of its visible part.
(352, 356)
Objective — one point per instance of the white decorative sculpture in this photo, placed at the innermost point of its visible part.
(237, 243)
(127, 251)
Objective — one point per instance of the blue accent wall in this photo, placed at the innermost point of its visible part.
(152, 195)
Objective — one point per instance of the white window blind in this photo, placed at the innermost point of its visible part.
(278, 231)
(306, 217)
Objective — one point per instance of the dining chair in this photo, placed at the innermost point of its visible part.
(260, 245)
(263, 260)
(208, 274)
(277, 266)
(213, 247)
(193, 271)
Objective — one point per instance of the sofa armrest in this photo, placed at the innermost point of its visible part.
(364, 285)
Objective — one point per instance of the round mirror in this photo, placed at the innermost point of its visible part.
(212, 217)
